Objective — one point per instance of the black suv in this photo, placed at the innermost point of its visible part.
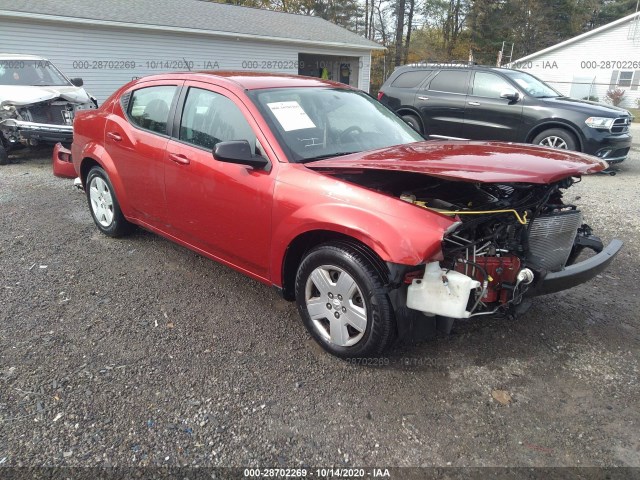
(489, 103)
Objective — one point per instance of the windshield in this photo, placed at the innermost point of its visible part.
(30, 72)
(532, 85)
(316, 123)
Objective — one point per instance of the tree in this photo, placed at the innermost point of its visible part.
(400, 6)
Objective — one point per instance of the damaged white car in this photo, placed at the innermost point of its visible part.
(37, 103)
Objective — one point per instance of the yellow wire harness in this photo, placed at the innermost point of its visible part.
(521, 219)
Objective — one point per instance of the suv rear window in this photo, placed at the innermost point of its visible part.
(410, 79)
(452, 81)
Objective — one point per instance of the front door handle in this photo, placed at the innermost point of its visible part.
(179, 158)
(114, 136)
(422, 98)
(475, 104)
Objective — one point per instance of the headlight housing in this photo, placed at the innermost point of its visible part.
(600, 122)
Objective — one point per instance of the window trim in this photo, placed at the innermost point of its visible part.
(210, 87)
(172, 107)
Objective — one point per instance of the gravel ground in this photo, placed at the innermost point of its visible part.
(138, 352)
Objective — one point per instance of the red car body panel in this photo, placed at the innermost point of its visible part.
(490, 162)
(62, 164)
(248, 218)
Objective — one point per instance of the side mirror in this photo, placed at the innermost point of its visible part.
(239, 152)
(78, 82)
(510, 95)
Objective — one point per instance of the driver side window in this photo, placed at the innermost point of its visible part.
(209, 118)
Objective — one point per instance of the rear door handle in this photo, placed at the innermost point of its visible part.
(422, 98)
(114, 136)
(179, 158)
(475, 104)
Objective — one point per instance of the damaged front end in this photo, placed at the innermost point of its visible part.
(512, 241)
(37, 102)
(48, 121)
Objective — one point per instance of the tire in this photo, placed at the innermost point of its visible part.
(556, 138)
(360, 322)
(4, 155)
(414, 122)
(104, 205)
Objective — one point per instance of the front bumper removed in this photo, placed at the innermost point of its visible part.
(62, 165)
(576, 274)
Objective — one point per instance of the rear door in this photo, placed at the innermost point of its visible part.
(487, 116)
(136, 137)
(442, 103)
(221, 208)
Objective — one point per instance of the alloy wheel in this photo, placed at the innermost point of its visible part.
(336, 306)
(101, 201)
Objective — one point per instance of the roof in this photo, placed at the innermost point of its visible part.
(194, 16)
(588, 34)
(250, 80)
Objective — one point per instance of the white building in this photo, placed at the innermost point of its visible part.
(590, 64)
(109, 42)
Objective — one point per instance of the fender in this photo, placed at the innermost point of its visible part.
(397, 231)
(555, 123)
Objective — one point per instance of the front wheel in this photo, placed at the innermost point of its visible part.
(103, 204)
(343, 302)
(556, 138)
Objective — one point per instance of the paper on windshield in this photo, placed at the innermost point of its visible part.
(291, 115)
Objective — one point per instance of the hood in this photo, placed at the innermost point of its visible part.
(592, 109)
(26, 95)
(488, 162)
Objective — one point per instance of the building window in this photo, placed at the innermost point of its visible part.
(624, 80)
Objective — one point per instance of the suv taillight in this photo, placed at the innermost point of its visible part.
(380, 95)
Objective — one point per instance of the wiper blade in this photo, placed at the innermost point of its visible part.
(329, 155)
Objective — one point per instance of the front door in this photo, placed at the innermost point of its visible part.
(221, 208)
(488, 116)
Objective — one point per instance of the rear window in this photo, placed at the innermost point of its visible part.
(451, 81)
(149, 107)
(410, 79)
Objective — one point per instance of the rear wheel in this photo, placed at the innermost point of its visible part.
(414, 122)
(104, 205)
(343, 302)
(556, 138)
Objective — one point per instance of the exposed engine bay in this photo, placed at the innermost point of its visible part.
(506, 239)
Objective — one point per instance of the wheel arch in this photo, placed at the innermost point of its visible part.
(406, 110)
(305, 242)
(95, 155)
(548, 125)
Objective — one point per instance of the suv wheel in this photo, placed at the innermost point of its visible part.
(556, 138)
(414, 122)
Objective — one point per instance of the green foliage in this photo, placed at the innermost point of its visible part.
(591, 98)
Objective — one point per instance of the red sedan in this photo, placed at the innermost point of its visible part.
(319, 190)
